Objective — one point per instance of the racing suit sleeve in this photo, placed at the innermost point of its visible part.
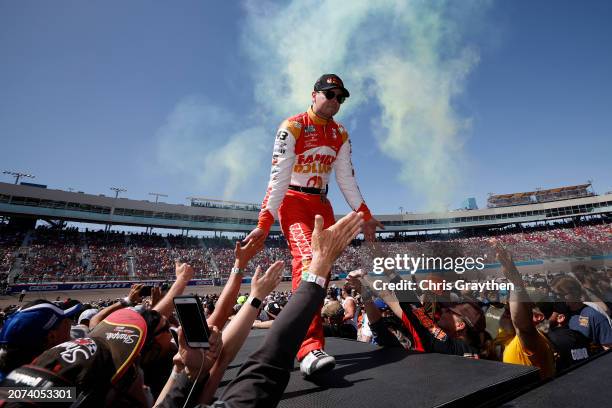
(345, 176)
(283, 159)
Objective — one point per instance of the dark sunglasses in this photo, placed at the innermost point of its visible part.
(330, 94)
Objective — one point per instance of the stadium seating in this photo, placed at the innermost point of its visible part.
(72, 255)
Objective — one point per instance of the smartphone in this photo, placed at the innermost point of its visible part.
(191, 315)
(145, 291)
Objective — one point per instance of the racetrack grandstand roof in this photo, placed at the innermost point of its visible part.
(560, 189)
(539, 192)
(39, 203)
(539, 196)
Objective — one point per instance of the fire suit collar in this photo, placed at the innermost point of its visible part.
(316, 118)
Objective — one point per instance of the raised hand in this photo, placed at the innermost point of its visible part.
(505, 259)
(184, 271)
(134, 295)
(328, 244)
(369, 229)
(264, 283)
(244, 253)
(256, 233)
(191, 359)
(354, 278)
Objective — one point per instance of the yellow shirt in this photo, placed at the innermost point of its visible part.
(542, 357)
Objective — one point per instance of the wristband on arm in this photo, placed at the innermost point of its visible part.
(310, 277)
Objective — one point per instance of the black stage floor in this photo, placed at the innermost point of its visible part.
(587, 386)
(369, 376)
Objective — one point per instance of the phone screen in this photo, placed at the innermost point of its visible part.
(192, 321)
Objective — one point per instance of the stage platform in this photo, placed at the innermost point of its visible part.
(587, 386)
(370, 376)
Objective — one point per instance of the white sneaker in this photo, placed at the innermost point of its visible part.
(317, 361)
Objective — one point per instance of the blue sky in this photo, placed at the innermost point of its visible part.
(448, 99)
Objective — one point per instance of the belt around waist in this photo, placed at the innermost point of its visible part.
(309, 190)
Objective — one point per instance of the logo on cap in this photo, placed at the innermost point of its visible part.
(334, 80)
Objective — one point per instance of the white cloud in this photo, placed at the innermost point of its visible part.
(404, 59)
(235, 162)
(407, 56)
(200, 141)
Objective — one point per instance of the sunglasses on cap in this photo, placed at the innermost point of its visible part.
(330, 94)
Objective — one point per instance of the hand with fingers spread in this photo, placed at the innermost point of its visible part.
(244, 253)
(328, 244)
(134, 295)
(369, 229)
(264, 283)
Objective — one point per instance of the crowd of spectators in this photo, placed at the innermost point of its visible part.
(69, 255)
(550, 322)
(123, 353)
(9, 243)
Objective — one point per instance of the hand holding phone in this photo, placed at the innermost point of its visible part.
(191, 315)
(145, 291)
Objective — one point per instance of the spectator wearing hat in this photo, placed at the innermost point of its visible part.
(334, 324)
(571, 346)
(267, 316)
(81, 329)
(459, 329)
(307, 148)
(383, 327)
(132, 299)
(101, 366)
(264, 376)
(587, 318)
(31, 330)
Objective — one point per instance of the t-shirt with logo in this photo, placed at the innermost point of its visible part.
(592, 325)
(571, 346)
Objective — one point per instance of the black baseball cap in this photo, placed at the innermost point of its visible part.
(90, 364)
(330, 81)
(273, 309)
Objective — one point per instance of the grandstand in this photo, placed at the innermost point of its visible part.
(578, 225)
(539, 196)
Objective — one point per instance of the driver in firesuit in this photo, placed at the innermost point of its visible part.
(308, 146)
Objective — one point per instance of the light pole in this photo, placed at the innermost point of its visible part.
(401, 210)
(118, 190)
(157, 195)
(17, 175)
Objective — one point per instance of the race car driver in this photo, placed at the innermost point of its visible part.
(307, 148)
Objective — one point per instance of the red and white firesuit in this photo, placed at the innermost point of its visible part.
(306, 149)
